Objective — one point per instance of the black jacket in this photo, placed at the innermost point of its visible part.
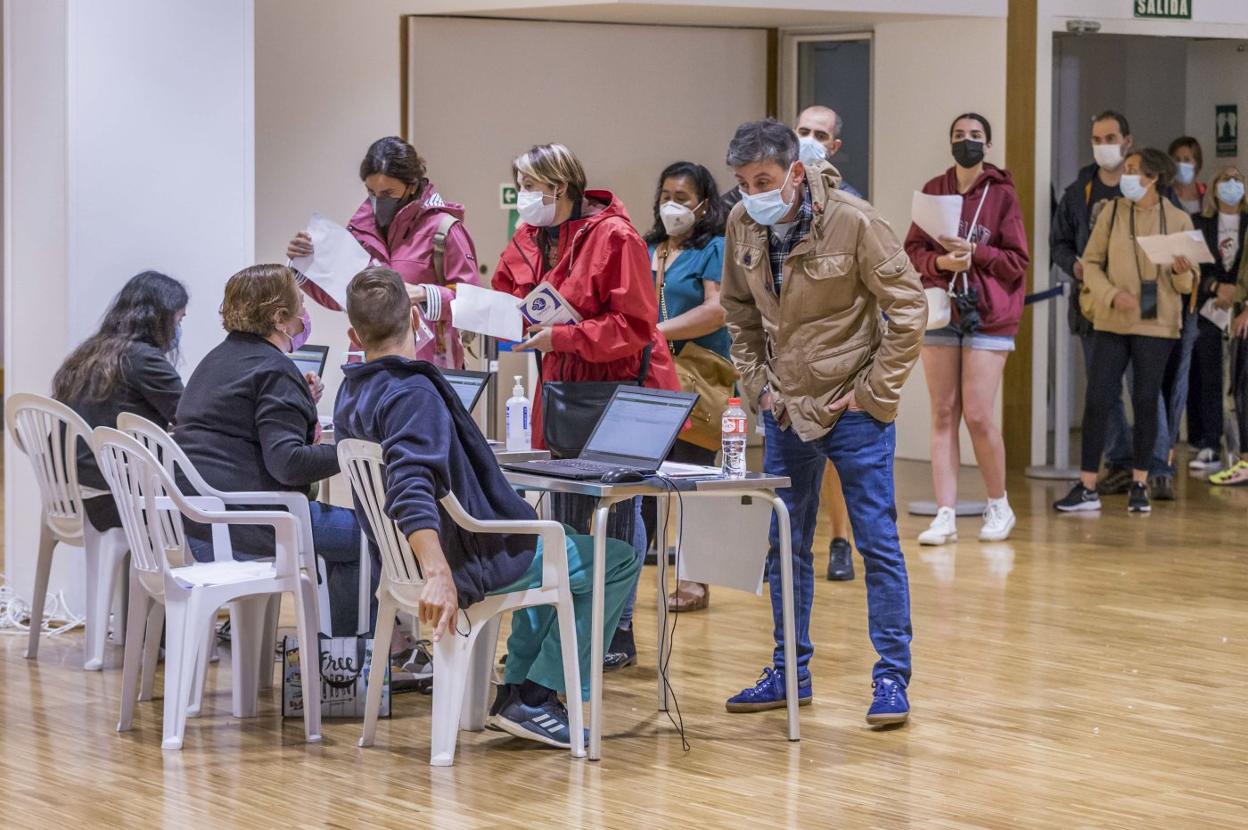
(1211, 274)
(431, 446)
(247, 421)
(150, 388)
(1072, 226)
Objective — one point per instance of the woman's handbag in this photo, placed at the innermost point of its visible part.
(939, 309)
(571, 409)
(713, 378)
(703, 371)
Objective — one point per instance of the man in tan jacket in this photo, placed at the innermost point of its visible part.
(826, 315)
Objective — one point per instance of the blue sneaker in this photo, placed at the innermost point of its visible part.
(547, 724)
(888, 705)
(768, 693)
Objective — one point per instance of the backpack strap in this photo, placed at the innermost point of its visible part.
(445, 222)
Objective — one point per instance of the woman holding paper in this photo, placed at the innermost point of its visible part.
(404, 224)
(1223, 226)
(581, 243)
(1135, 306)
(963, 362)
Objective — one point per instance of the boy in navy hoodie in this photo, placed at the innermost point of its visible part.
(431, 446)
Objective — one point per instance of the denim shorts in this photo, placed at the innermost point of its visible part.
(950, 336)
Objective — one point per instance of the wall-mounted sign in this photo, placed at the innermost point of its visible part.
(1164, 9)
(1226, 129)
(506, 196)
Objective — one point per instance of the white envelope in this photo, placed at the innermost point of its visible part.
(937, 215)
(546, 306)
(1161, 250)
(487, 312)
(335, 260)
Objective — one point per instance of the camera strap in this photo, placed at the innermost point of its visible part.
(970, 237)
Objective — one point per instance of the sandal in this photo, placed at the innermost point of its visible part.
(689, 596)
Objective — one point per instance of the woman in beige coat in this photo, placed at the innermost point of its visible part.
(1136, 312)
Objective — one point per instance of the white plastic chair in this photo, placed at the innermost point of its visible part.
(461, 663)
(48, 431)
(174, 459)
(152, 510)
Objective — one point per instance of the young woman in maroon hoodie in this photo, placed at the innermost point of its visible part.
(963, 361)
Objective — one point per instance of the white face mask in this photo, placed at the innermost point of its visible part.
(1108, 156)
(1133, 187)
(533, 210)
(1186, 173)
(677, 219)
(810, 151)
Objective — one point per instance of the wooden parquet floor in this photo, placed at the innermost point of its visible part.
(1088, 673)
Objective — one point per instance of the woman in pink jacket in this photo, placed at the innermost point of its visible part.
(404, 224)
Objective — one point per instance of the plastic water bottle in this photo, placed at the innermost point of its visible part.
(519, 427)
(734, 438)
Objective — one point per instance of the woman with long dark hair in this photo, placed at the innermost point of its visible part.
(126, 366)
(406, 225)
(686, 245)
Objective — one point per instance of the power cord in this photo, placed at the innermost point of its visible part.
(15, 614)
(664, 659)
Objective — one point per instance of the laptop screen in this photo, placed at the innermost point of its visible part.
(640, 423)
(311, 359)
(467, 385)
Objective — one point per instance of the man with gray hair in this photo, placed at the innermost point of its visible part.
(827, 315)
(819, 130)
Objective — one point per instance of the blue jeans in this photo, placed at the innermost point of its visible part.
(862, 449)
(1118, 450)
(1174, 393)
(533, 648)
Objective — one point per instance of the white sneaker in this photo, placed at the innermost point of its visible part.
(942, 530)
(998, 521)
(1207, 460)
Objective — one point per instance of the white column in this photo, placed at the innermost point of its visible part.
(129, 145)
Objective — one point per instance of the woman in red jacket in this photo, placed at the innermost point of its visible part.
(583, 244)
(963, 362)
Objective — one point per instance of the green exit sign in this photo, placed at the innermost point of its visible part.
(506, 196)
(1164, 9)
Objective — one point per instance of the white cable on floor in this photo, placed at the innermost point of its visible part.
(15, 614)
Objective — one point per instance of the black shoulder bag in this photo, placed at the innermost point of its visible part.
(571, 409)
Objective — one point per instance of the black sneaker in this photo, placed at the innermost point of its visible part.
(546, 724)
(622, 651)
(840, 561)
(1079, 499)
(1115, 481)
(1162, 487)
(1137, 502)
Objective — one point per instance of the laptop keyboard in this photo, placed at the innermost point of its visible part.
(587, 466)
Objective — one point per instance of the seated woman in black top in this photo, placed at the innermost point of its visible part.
(124, 367)
(248, 421)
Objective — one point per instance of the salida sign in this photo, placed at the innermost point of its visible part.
(1165, 9)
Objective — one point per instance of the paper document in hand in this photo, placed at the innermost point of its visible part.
(487, 312)
(336, 258)
(937, 215)
(1161, 250)
(546, 306)
(1220, 317)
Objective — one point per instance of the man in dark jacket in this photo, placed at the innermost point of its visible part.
(1094, 187)
(431, 447)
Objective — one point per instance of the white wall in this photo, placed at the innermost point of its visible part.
(924, 76)
(130, 136)
(1217, 73)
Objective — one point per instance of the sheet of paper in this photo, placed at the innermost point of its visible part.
(937, 215)
(1220, 317)
(546, 306)
(336, 258)
(1161, 250)
(675, 469)
(487, 312)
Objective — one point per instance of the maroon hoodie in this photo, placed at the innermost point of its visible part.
(999, 263)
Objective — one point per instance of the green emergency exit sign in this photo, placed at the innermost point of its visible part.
(1164, 9)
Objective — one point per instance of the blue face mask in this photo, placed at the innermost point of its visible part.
(768, 208)
(1133, 187)
(1230, 191)
(177, 338)
(1185, 172)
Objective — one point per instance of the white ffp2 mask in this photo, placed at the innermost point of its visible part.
(533, 210)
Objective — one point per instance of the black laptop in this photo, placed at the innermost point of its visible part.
(467, 385)
(636, 432)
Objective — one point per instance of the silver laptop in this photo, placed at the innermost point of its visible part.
(636, 432)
